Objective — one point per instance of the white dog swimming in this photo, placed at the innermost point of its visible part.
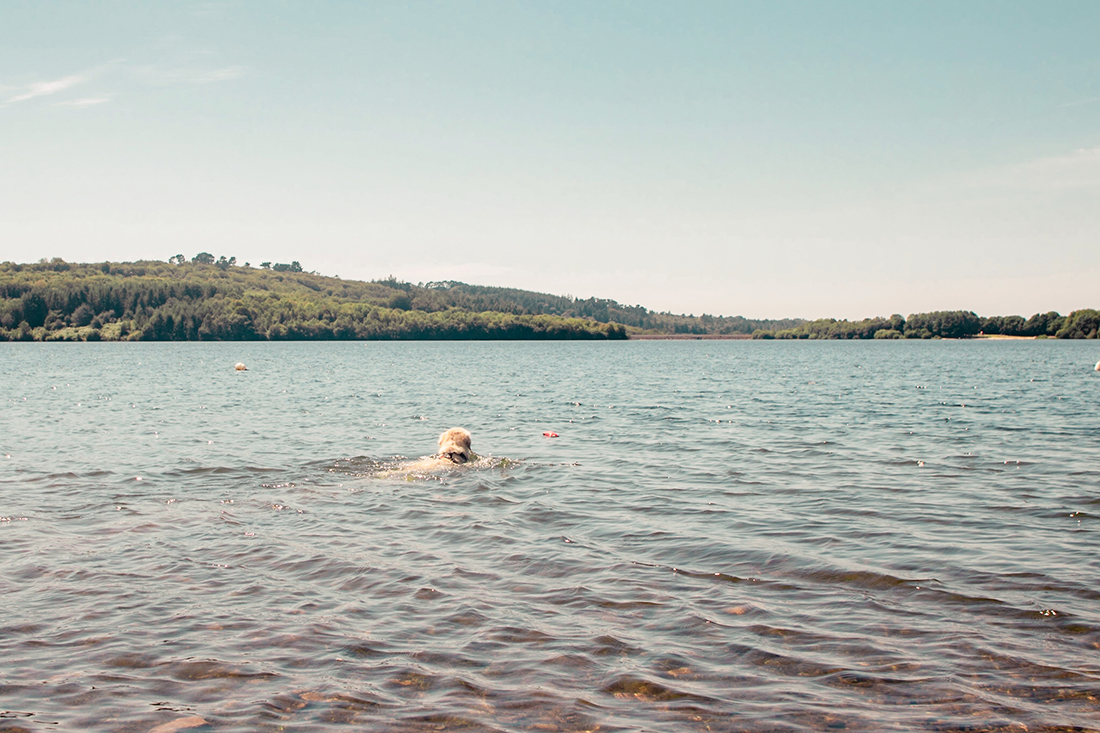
(454, 450)
(454, 446)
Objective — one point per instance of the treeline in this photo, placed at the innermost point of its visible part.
(212, 298)
(194, 301)
(208, 297)
(451, 294)
(944, 324)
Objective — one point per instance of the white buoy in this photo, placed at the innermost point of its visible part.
(241, 367)
(1098, 366)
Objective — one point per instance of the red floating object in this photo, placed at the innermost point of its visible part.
(550, 434)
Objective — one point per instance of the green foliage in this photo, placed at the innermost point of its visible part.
(213, 299)
(1043, 324)
(938, 324)
(1082, 324)
(1040, 324)
(188, 301)
(452, 294)
(943, 324)
(830, 328)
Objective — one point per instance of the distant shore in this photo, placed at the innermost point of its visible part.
(689, 336)
(214, 299)
(742, 337)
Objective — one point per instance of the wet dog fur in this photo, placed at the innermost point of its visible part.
(454, 450)
(454, 446)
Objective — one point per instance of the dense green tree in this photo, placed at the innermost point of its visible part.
(157, 301)
(33, 309)
(831, 328)
(193, 301)
(1043, 324)
(943, 324)
(1082, 324)
(83, 315)
(452, 294)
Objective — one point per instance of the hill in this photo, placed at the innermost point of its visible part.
(208, 299)
(214, 299)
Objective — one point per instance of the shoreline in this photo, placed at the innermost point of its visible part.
(688, 336)
(740, 337)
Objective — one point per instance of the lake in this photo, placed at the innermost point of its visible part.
(724, 536)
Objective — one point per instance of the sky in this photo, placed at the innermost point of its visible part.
(767, 159)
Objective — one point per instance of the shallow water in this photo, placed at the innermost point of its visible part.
(726, 536)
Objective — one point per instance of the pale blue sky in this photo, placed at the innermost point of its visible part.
(765, 159)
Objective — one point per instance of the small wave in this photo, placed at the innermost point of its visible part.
(423, 469)
(218, 471)
(635, 687)
(863, 579)
(847, 678)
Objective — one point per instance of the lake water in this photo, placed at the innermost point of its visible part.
(726, 536)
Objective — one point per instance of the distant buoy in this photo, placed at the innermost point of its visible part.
(241, 367)
(550, 434)
(1098, 366)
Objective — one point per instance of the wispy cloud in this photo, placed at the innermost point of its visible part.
(112, 75)
(44, 88)
(25, 92)
(84, 102)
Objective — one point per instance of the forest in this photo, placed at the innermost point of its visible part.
(945, 324)
(208, 298)
(217, 300)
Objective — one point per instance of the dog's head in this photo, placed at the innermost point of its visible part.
(454, 446)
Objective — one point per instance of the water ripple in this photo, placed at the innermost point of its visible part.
(724, 537)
